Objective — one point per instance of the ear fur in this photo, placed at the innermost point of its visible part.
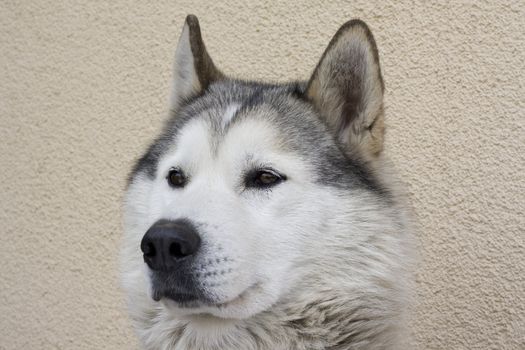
(193, 69)
(347, 88)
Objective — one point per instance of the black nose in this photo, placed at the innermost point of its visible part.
(168, 242)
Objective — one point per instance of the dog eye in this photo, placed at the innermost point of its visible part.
(264, 178)
(176, 178)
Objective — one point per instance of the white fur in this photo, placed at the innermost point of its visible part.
(229, 114)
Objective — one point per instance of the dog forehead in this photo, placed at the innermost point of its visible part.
(229, 131)
(238, 112)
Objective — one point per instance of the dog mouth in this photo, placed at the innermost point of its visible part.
(180, 298)
(193, 300)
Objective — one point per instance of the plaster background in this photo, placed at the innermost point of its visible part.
(84, 87)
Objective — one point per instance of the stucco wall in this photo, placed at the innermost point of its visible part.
(83, 88)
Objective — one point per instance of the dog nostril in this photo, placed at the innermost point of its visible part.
(149, 250)
(177, 250)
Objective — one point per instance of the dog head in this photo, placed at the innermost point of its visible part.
(251, 182)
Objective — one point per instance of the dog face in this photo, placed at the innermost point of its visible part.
(244, 185)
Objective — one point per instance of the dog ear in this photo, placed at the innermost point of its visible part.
(347, 88)
(193, 70)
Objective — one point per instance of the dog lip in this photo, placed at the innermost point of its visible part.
(180, 298)
(177, 296)
(193, 300)
(242, 295)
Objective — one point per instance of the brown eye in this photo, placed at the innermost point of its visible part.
(267, 178)
(264, 178)
(176, 178)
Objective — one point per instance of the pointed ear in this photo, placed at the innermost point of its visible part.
(347, 88)
(193, 69)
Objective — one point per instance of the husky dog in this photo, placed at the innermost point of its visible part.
(264, 216)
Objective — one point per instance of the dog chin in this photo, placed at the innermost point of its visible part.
(247, 304)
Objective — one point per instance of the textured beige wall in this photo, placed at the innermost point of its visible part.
(83, 87)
